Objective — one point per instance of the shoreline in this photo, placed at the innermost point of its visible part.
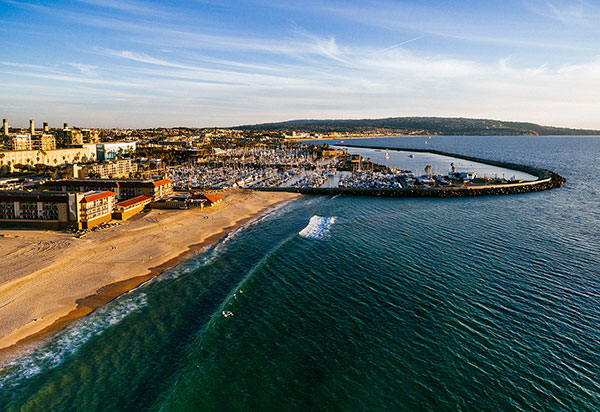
(24, 338)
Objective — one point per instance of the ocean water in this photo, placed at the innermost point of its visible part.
(358, 304)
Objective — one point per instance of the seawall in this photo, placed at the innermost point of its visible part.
(546, 180)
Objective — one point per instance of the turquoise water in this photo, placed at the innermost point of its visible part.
(474, 304)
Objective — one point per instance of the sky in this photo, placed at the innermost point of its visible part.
(207, 63)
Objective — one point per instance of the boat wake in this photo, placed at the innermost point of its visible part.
(318, 227)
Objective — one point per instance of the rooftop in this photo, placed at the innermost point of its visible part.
(97, 196)
(26, 196)
(133, 201)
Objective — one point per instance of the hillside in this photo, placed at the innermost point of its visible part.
(421, 125)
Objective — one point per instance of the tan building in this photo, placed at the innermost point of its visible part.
(90, 135)
(38, 209)
(44, 142)
(30, 141)
(52, 210)
(68, 136)
(127, 208)
(96, 208)
(19, 142)
(155, 189)
(118, 168)
(86, 153)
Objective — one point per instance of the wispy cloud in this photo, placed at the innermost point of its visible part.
(570, 13)
(85, 69)
(128, 72)
(394, 82)
(127, 6)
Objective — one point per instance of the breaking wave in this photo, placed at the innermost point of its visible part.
(318, 227)
(47, 356)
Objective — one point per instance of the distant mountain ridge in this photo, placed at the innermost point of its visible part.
(421, 125)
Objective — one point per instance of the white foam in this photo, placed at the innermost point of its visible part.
(68, 341)
(318, 227)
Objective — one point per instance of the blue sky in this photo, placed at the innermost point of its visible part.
(122, 63)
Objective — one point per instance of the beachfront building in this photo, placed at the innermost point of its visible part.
(180, 201)
(54, 210)
(127, 208)
(187, 201)
(96, 208)
(332, 153)
(125, 188)
(38, 209)
(210, 199)
(157, 189)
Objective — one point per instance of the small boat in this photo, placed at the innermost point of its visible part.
(227, 313)
(411, 155)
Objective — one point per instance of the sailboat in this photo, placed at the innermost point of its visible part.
(387, 155)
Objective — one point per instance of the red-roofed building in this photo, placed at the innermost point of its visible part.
(157, 189)
(96, 208)
(127, 208)
(87, 198)
(55, 210)
(210, 198)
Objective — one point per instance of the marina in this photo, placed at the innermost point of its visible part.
(360, 170)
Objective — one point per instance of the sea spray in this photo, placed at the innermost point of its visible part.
(317, 227)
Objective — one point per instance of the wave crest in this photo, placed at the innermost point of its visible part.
(317, 227)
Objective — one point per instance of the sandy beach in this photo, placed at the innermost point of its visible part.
(50, 278)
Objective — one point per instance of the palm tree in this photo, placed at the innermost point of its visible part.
(428, 170)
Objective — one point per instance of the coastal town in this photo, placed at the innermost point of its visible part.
(76, 179)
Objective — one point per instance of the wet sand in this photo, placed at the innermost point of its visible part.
(52, 278)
